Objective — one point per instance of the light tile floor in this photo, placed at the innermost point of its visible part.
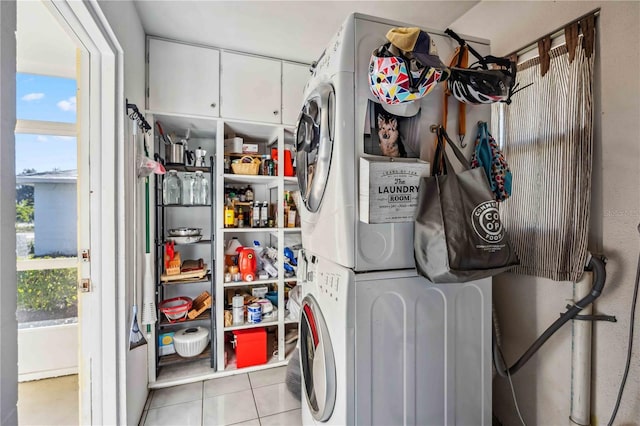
(48, 402)
(260, 398)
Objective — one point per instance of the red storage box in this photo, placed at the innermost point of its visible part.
(251, 347)
(288, 163)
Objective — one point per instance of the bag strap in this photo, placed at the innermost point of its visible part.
(441, 162)
(482, 60)
(438, 159)
(483, 132)
(460, 59)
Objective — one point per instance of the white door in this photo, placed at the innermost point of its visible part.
(183, 78)
(46, 181)
(314, 145)
(250, 88)
(294, 78)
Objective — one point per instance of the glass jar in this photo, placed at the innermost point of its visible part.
(188, 195)
(201, 189)
(172, 188)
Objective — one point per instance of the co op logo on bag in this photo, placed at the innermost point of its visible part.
(486, 222)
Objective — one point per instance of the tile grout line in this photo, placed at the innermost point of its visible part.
(202, 405)
(255, 404)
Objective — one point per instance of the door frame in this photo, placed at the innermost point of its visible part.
(100, 121)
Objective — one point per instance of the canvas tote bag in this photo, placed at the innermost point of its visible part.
(458, 235)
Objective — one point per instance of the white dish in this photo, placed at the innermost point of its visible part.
(184, 232)
(191, 341)
(185, 240)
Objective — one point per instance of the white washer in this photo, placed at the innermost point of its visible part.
(391, 348)
(385, 347)
(330, 141)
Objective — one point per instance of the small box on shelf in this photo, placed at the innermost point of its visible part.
(233, 145)
(165, 344)
(251, 347)
(250, 148)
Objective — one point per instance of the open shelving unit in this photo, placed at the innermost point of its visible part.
(218, 359)
(169, 216)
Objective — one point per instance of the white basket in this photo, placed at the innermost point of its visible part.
(191, 341)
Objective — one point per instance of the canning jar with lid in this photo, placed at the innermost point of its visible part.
(172, 188)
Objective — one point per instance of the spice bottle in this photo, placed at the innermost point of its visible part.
(264, 215)
(255, 217)
(229, 215)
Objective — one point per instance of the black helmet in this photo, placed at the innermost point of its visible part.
(480, 85)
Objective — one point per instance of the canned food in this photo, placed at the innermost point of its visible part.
(254, 313)
(238, 315)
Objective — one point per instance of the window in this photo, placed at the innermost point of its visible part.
(46, 212)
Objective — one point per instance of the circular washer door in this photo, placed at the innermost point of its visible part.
(317, 362)
(314, 145)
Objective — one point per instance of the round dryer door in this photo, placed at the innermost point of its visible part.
(314, 144)
(317, 361)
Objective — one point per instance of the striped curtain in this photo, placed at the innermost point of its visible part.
(547, 138)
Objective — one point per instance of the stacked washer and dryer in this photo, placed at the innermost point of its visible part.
(379, 344)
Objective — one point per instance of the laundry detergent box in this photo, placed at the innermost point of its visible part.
(165, 344)
(389, 188)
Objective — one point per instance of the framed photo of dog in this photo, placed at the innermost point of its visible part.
(390, 135)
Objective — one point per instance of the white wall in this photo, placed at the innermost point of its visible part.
(8, 324)
(124, 21)
(59, 342)
(527, 305)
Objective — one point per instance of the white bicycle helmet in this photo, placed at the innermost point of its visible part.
(480, 85)
(395, 80)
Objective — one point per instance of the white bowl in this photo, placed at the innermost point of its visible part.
(190, 342)
(185, 240)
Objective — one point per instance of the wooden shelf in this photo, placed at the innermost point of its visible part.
(205, 279)
(238, 154)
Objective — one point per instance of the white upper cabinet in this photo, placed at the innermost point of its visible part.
(183, 78)
(250, 88)
(294, 78)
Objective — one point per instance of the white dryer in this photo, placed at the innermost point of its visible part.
(391, 348)
(331, 136)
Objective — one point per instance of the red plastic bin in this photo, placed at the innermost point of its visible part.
(251, 347)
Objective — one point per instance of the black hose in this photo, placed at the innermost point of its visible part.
(600, 276)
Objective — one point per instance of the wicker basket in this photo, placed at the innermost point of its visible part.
(246, 166)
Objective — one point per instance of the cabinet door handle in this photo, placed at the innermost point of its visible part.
(213, 105)
(276, 112)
